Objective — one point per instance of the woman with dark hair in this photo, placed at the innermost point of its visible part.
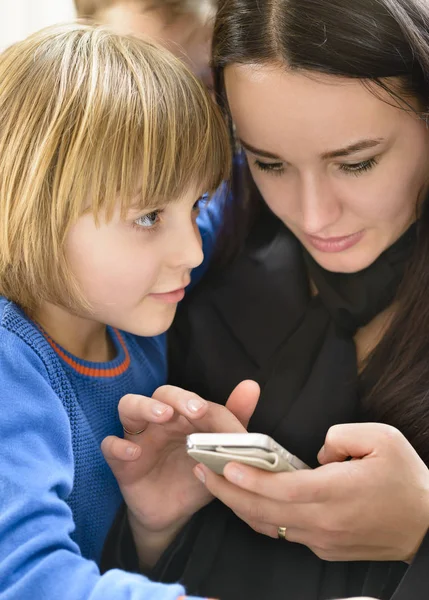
(323, 300)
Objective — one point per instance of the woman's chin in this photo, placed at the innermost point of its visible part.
(349, 261)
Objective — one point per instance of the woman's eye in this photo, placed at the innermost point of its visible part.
(360, 167)
(149, 220)
(276, 168)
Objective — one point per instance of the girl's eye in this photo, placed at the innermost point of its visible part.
(359, 168)
(148, 221)
(276, 168)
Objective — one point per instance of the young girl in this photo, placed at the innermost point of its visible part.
(106, 145)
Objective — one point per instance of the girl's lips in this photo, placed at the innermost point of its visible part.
(170, 297)
(335, 244)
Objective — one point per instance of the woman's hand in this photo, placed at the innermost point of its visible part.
(153, 469)
(375, 507)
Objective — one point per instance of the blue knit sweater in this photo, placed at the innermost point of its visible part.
(58, 497)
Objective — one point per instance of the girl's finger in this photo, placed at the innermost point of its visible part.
(135, 412)
(116, 449)
(211, 417)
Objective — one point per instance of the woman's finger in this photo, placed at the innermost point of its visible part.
(243, 400)
(255, 508)
(265, 528)
(356, 440)
(303, 486)
(291, 533)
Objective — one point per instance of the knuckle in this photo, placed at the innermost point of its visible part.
(131, 406)
(392, 433)
(332, 435)
(163, 390)
(331, 536)
(291, 494)
(320, 491)
(328, 526)
(296, 492)
(391, 436)
(255, 512)
(322, 547)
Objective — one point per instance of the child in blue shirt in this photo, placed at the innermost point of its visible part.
(106, 145)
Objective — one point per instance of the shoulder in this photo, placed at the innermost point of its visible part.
(36, 418)
(21, 343)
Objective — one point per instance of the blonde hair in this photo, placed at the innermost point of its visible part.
(89, 118)
(93, 9)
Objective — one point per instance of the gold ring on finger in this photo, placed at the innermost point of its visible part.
(281, 533)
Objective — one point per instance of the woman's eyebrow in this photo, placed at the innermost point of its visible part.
(258, 151)
(340, 152)
(352, 148)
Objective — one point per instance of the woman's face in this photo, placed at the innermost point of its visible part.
(339, 166)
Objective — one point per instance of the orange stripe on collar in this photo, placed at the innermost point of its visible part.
(93, 371)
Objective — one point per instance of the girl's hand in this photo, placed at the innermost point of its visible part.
(153, 469)
(375, 507)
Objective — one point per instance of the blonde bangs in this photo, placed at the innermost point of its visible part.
(88, 119)
(172, 137)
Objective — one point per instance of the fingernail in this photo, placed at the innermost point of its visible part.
(195, 404)
(131, 450)
(234, 474)
(200, 474)
(159, 409)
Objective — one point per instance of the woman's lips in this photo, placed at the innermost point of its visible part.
(335, 244)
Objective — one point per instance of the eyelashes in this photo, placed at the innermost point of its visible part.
(356, 169)
(151, 221)
(275, 168)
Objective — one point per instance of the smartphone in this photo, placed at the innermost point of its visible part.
(215, 450)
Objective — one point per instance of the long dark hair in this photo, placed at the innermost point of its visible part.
(372, 40)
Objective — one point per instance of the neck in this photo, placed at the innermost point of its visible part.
(82, 337)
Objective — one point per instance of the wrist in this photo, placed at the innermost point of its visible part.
(150, 544)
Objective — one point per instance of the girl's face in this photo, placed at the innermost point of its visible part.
(133, 271)
(340, 167)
